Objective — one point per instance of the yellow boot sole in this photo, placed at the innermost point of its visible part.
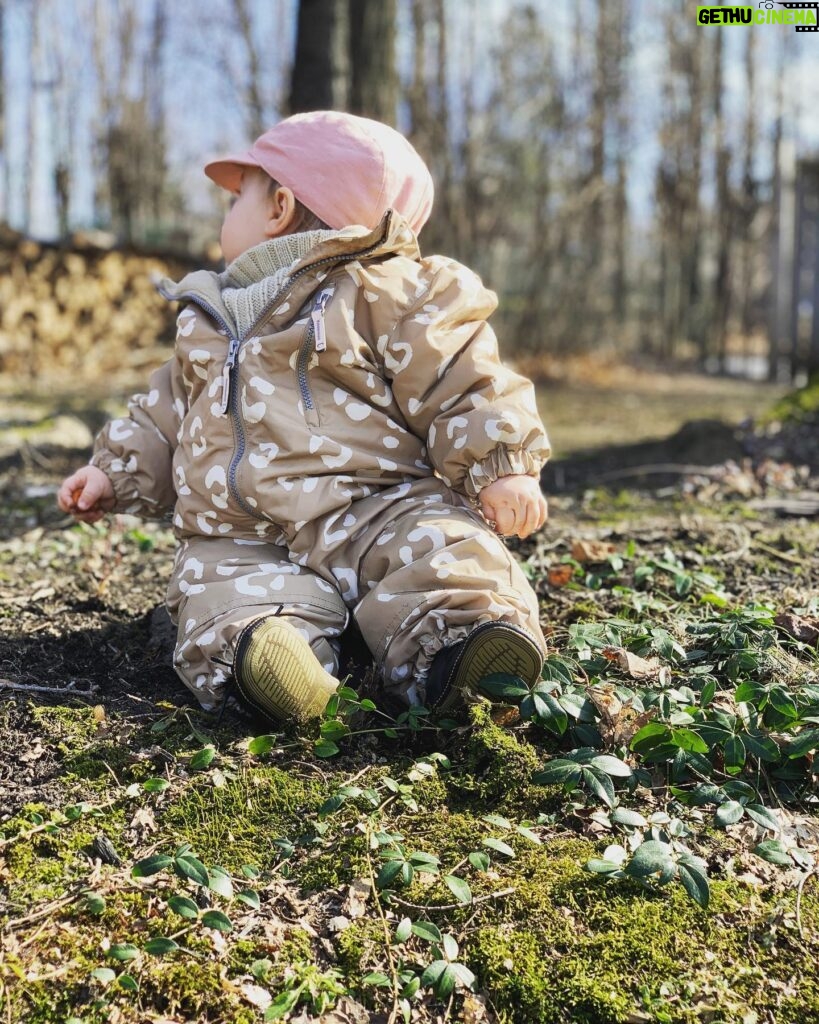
(277, 672)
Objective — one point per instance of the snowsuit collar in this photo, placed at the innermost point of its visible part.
(392, 237)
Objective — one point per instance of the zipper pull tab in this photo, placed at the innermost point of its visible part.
(318, 319)
(229, 362)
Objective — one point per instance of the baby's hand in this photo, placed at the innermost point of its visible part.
(514, 504)
(87, 494)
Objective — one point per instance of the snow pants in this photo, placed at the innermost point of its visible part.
(415, 566)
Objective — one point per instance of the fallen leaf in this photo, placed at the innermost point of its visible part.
(805, 630)
(592, 550)
(256, 995)
(559, 575)
(357, 896)
(635, 666)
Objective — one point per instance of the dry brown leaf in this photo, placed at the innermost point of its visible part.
(619, 721)
(805, 630)
(633, 664)
(559, 575)
(357, 895)
(592, 550)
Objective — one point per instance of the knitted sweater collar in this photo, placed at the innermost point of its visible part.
(271, 257)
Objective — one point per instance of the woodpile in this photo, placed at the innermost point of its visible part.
(81, 315)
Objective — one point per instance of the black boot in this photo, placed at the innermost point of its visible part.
(458, 670)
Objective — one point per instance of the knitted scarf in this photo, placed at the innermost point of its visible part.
(253, 279)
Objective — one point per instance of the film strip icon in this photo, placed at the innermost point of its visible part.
(799, 6)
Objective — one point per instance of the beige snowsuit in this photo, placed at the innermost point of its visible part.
(327, 462)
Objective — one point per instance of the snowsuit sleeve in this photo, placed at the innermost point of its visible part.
(478, 417)
(136, 451)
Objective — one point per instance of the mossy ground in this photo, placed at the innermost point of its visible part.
(547, 941)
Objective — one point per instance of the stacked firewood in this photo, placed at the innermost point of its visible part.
(86, 314)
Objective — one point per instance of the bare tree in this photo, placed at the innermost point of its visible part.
(373, 88)
(319, 77)
(253, 102)
(4, 169)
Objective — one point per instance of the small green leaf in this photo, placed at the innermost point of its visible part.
(260, 969)
(601, 867)
(783, 702)
(202, 758)
(499, 846)
(403, 930)
(600, 784)
(434, 972)
(497, 819)
(128, 982)
(151, 866)
(155, 785)
(388, 874)
(334, 730)
(687, 739)
(775, 851)
(629, 818)
(502, 684)
(104, 975)
(805, 743)
(557, 772)
(123, 951)
(479, 860)
(762, 816)
(250, 897)
(459, 888)
(734, 755)
(216, 919)
(325, 748)
(695, 883)
(450, 946)
(649, 858)
(160, 946)
(427, 931)
(651, 735)
(463, 974)
(219, 881)
(188, 866)
(611, 766)
(184, 907)
(728, 813)
(94, 903)
(377, 979)
(261, 745)
(282, 1004)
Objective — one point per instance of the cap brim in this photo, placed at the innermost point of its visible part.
(227, 171)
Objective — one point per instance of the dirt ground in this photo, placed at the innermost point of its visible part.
(705, 506)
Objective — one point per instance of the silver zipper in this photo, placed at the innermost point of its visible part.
(229, 364)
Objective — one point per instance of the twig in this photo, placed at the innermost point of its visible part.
(455, 906)
(799, 902)
(793, 559)
(387, 943)
(35, 688)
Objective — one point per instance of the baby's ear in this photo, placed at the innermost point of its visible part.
(281, 209)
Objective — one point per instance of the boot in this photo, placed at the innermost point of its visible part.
(457, 670)
(277, 672)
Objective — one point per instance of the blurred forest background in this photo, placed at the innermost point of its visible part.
(631, 183)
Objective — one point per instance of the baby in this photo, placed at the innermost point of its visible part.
(334, 436)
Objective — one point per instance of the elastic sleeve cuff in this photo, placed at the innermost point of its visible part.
(126, 492)
(498, 463)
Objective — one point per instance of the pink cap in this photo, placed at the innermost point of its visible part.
(344, 168)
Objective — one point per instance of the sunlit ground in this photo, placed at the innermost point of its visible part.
(638, 407)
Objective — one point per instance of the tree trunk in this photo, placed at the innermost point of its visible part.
(254, 104)
(319, 78)
(373, 77)
(4, 169)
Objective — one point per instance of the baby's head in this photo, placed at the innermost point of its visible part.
(324, 169)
